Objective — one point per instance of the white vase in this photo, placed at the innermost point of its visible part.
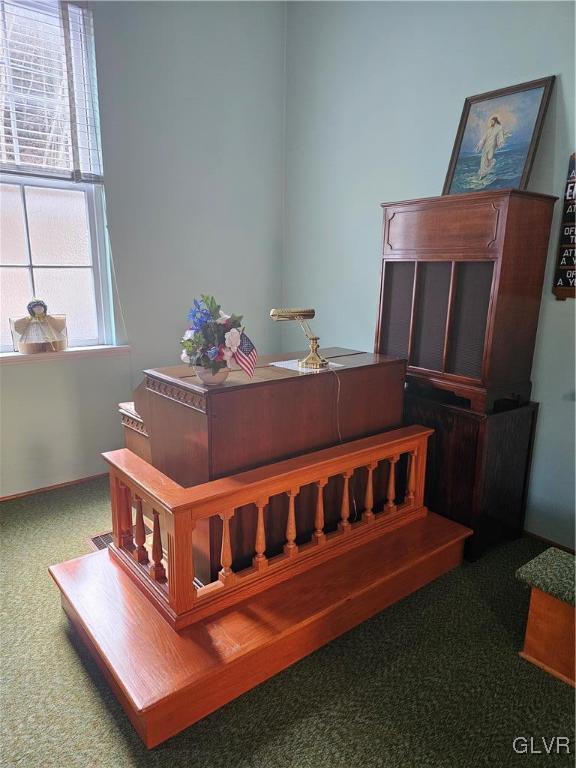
(211, 379)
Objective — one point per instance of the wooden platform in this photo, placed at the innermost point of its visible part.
(167, 681)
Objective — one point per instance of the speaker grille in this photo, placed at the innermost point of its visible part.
(431, 310)
(466, 347)
(396, 307)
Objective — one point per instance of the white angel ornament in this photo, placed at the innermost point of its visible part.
(39, 332)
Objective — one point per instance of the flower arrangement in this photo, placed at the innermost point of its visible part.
(214, 339)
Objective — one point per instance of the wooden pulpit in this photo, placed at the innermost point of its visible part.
(194, 434)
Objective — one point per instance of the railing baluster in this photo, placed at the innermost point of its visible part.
(411, 483)
(290, 548)
(260, 561)
(391, 490)
(344, 524)
(140, 553)
(180, 534)
(116, 500)
(226, 574)
(319, 535)
(368, 514)
(157, 571)
(126, 518)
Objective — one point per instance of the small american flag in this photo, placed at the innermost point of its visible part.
(246, 355)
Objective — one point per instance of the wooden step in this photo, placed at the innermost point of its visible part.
(167, 681)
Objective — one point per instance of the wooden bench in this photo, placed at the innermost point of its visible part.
(549, 639)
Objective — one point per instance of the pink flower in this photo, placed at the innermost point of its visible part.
(232, 338)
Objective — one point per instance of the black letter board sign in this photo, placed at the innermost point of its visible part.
(565, 272)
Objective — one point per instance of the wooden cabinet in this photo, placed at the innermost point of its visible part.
(478, 466)
(460, 292)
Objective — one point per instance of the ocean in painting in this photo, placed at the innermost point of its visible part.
(504, 174)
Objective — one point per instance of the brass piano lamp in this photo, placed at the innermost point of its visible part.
(312, 359)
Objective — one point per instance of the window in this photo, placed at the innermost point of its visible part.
(52, 224)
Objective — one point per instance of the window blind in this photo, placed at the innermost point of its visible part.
(48, 94)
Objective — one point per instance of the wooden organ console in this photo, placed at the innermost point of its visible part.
(462, 279)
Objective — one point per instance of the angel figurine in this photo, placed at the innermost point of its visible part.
(39, 332)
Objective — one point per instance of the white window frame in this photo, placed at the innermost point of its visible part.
(101, 262)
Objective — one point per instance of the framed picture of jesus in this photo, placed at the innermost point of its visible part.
(497, 138)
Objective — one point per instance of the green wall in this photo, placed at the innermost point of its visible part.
(192, 106)
(192, 116)
(57, 417)
(374, 95)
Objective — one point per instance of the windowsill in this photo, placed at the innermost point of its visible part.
(102, 350)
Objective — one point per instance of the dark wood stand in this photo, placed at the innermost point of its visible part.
(478, 466)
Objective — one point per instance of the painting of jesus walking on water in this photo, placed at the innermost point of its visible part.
(497, 138)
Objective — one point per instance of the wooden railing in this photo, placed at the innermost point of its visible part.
(164, 570)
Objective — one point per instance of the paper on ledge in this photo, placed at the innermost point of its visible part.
(292, 365)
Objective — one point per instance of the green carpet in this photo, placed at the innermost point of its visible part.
(433, 681)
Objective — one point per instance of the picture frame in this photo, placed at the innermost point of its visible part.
(497, 138)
